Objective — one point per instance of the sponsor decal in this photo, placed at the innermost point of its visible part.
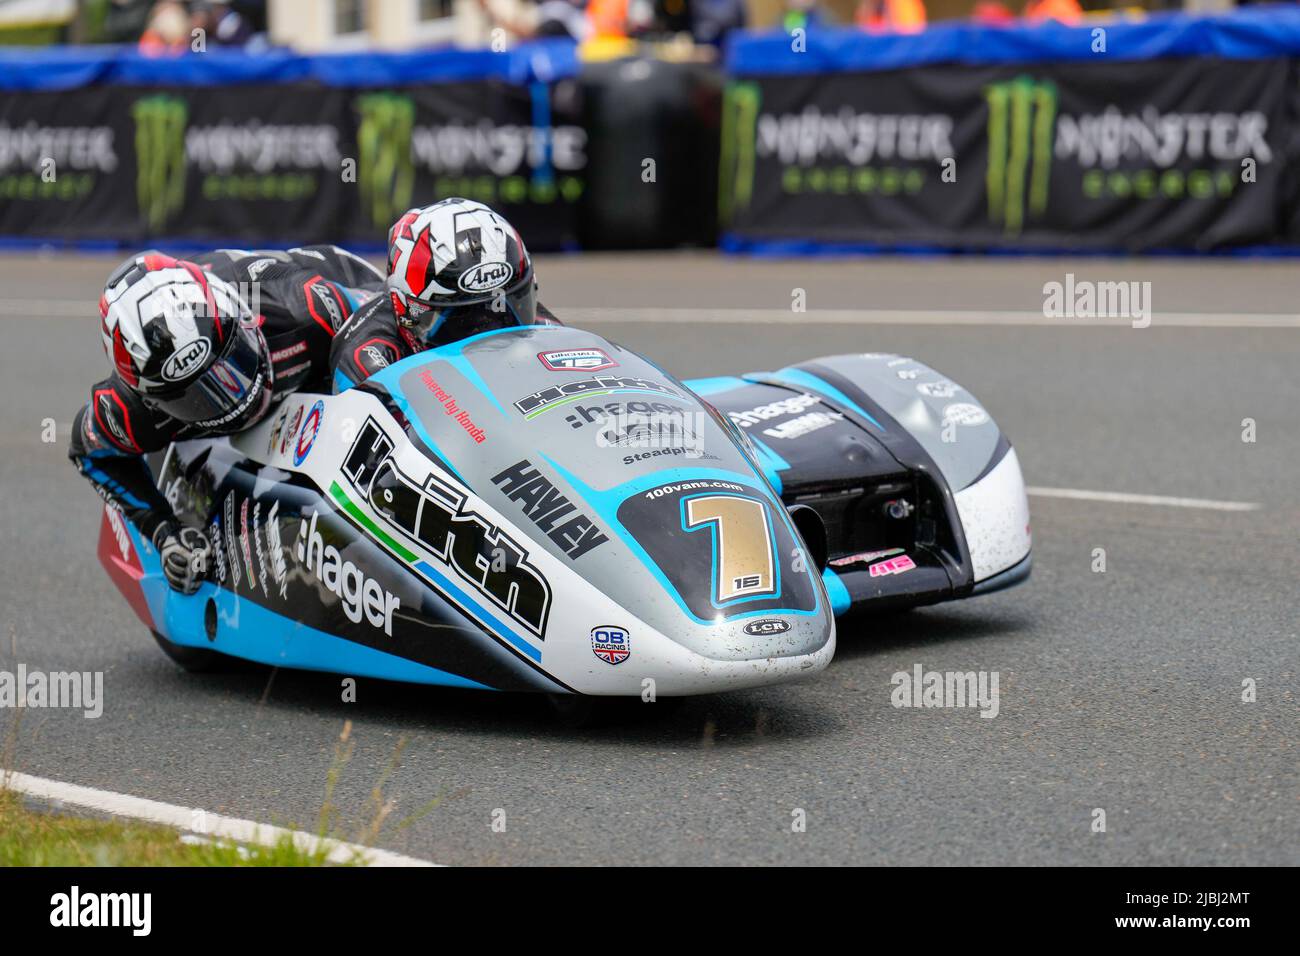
(244, 546)
(545, 506)
(485, 276)
(328, 298)
(292, 429)
(453, 409)
(310, 429)
(438, 516)
(863, 557)
(943, 389)
(259, 549)
(375, 357)
(254, 395)
(611, 643)
(360, 595)
(279, 566)
(891, 566)
(218, 548)
(257, 267)
(277, 429)
(692, 486)
(785, 406)
(231, 544)
(964, 413)
(115, 522)
(279, 355)
(547, 398)
(111, 415)
(576, 360)
(767, 626)
(803, 425)
(185, 360)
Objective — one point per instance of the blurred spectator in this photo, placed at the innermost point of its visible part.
(1063, 11)
(805, 14)
(168, 29)
(991, 11)
(891, 16)
(223, 26)
(563, 18)
(125, 20)
(477, 19)
(712, 20)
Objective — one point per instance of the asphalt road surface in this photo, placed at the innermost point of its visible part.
(1120, 691)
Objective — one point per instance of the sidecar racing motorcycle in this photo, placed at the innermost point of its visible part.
(539, 509)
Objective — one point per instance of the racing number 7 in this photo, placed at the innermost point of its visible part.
(742, 536)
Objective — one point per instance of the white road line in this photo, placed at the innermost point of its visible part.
(1117, 497)
(585, 315)
(182, 818)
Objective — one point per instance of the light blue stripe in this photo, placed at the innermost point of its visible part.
(839, 594)
(711, 386)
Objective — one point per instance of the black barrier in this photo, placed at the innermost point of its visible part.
(824, 149)
(653, 153)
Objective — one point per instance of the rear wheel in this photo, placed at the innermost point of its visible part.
(196, 660)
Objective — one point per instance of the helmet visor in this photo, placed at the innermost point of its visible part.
(432, 324)
(231, 392)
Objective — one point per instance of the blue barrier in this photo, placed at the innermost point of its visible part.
(67, 68)
(1244, 34)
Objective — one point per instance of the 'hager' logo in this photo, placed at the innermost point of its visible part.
(160, 124)
(1021, 130)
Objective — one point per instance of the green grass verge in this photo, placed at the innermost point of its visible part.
(32, 838)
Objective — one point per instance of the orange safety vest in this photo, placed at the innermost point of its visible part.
(608, 17)
(898, 16)
(1063, 11)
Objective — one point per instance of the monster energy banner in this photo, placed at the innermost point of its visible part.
(281, 163)
(499, 144)
(1115, 155)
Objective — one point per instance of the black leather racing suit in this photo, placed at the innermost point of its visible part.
(303, 296)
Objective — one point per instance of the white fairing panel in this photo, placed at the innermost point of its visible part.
(995, 517)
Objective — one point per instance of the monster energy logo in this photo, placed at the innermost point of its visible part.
(160, 123)
(739, 134)
(1022, 121)
(385, 172)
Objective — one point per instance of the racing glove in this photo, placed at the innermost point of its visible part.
(185, 553)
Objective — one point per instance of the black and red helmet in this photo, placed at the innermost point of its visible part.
(186, 342)
(457, 268)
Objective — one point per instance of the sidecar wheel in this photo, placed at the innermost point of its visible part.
(195, 660)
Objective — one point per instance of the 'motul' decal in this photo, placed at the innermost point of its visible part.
(433, 513)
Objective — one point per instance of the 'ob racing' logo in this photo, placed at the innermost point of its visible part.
(1021, 130)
